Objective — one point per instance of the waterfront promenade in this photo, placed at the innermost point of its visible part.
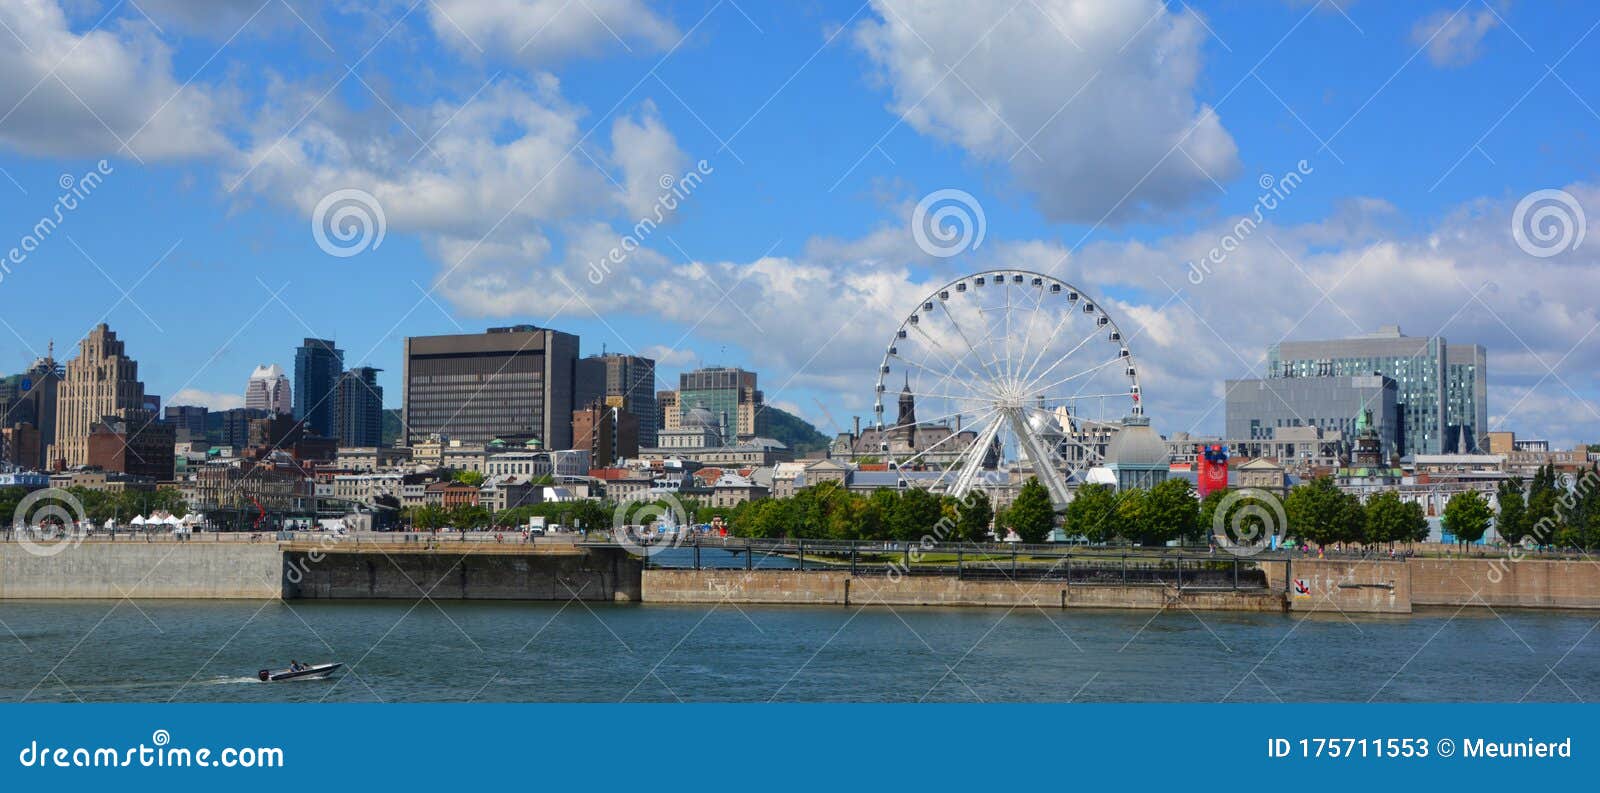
(510, 566)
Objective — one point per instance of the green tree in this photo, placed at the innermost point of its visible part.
(1512, 521)
(1172, 513)
(914, 515)
(974, 514)
(1133, 514)
(428, 517)
(1091, 513)
(1032, 516)
(1319, 512)
(1466, 515)
(474, 478)
(1390, 520)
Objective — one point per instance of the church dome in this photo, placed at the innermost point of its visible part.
(1136, 445)
(699, 417)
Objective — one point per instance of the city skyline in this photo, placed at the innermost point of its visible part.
(1407, 164)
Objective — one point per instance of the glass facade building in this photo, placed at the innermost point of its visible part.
(731, 396)
(317, 366)
(625, 381)
(1426, 385)
(358, 408)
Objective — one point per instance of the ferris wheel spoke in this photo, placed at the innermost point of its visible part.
(922, 453)
(962, 332)
(1027, 333)
(972, 460)
(1071, 377)
(957, 359)
(1066, 316)
(931, 421)
(934, 372)
(1032, 384)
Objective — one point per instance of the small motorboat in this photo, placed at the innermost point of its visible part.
(308, 672)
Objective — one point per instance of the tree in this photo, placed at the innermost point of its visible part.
(1172, 512)
(914, 515)
(1466, 515)
(1390, 520)
(1319, 512)
(1091, 513)
(973, 516)
(1512, 521)
(1032, 516)
(474, 478)
(1132, 514)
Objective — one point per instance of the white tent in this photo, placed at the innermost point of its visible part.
(171, 520)
(190, 519)
(110, 524)
(138, 520)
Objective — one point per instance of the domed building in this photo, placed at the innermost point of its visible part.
(1137, 457)
(698, 429)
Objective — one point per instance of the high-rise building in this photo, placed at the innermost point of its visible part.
(505, 383)
(102, 381)
(668, 416)
(625, 381)
(609, 432)
(28, 403)
(235, 423)
(358, 408)
(731, 396)
(1421, 368)
(188, 422)
(1466, 396)
(317, 366)
(1260, 409)
(268, 389)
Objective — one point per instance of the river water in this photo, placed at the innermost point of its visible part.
(548, 652)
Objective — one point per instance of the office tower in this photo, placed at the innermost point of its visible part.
(317, 366)
(625, 381)
(1258, 408)
(668, 416)
(609, 432)
(134, 443)
(268, 389)
(504, 383)
(731, 396)
(235, 422)
(358, 408)
(1420, 367)
(28, 404)
(188, 422)
(102, 381)
(1466, 396)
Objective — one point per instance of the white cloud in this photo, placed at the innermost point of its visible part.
(542, 32)
(206, 399)
(1132, 141)
(92, 93)
(817, 323)
(1453, 38)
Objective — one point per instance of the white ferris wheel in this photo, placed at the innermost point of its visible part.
(1001, 370)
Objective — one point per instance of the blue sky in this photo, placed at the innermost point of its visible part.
(503, 169)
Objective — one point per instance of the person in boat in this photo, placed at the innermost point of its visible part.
(294, 666)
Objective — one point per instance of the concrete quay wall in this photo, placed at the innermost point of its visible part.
(592, 574)
(830, 588)
(142, 570)
(1505, 583)
(1335, 585)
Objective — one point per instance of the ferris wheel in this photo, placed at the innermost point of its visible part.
(1001, 370)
